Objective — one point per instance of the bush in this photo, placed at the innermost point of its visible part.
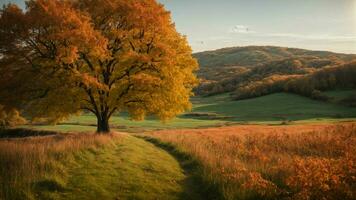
(317, 95)
(10, 118)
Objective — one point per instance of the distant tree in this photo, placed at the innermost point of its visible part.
(317, 95)
(61, 57)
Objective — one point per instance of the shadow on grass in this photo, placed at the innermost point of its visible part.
(195, 185)
(52, 185)
(20, 133)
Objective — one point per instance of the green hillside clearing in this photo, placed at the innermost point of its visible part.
(276, 107)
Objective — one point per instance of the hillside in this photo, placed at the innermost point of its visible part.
(309, 85)
(275, 107)
(225, 69)
(254, 55)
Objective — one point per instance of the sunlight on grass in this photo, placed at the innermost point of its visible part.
(273, 162)
(37, 168)
(84, 166)
(281, 108)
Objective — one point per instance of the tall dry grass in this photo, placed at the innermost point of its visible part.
(274, 162)
(26, 163)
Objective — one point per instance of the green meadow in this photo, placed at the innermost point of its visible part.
(220, 110)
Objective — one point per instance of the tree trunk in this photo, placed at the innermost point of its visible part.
(103, 125)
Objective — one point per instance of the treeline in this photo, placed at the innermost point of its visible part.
(269, 85)
(289, 66)
(343, 76)
(310, 85)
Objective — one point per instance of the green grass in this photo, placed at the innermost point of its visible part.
(269, 109)
(124, 122)
(338, 95)
(196, 186)
(87, 122)
(63, 128)
(276, 107)
(131, 169)
(203, 101)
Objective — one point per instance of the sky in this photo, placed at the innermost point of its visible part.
(310, 24)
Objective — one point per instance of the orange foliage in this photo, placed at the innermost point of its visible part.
(322, 178)
(61, 57)
(10, 117)
(274, 162)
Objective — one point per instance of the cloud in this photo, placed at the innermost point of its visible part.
(240, 29)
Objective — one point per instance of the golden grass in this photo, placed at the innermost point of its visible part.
(25, 162)
(274, 162)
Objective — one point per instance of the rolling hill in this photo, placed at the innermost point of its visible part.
(250, 56)
(226, 70)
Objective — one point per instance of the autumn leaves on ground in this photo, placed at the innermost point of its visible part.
(97, 102)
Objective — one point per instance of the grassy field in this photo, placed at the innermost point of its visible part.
(266, 160)
(275, 107)
(219, 110)
(273, 162)
(235, 162)
(33, 167)
(88, 166)
(338, 95)
(87, 123)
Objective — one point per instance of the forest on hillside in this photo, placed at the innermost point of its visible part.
(253, 71)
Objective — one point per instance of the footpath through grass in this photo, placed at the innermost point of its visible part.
(134, 169)
(129, 168)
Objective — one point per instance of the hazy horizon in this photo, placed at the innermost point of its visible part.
(324, 25)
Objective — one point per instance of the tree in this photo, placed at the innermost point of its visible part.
(60, 57)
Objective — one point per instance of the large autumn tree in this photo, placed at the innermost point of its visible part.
(60, 57)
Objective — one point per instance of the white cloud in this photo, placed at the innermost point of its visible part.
(240, 29)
